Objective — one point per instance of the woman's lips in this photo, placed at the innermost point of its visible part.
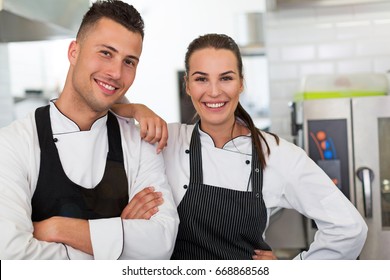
(214, 105)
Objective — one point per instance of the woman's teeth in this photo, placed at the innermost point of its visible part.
(215, 105)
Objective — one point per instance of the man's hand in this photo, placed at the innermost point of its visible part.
(153, 129)
(264, 255)
(143, 205)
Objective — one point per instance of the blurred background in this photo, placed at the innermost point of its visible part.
(297, 54)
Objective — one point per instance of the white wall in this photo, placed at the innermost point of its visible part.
(326, 40)
(170, 26)
(6, 102)
(38, 65)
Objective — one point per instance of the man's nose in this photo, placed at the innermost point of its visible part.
(115, 70)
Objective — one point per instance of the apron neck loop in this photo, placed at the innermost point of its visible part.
(196, 170)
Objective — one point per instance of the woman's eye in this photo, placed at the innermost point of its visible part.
(226, 78)
(200, 79)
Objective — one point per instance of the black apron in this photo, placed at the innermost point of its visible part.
(57, 195)
(219, 223)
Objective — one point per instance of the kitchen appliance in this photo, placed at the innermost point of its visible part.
(349, 138)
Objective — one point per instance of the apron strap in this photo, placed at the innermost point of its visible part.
(115, 152)
(196, 171)
(45, 133)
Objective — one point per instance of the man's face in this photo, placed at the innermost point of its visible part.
(104, 64)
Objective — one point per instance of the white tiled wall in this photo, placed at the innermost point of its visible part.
(6, 101)
(324, 40)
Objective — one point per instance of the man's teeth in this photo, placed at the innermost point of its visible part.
(215, 105)
(106, 86)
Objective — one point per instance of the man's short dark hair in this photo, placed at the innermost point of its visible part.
(115, 10)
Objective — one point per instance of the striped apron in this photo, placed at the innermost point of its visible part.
(219, 223)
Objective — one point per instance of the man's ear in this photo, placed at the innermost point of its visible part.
(73, 51)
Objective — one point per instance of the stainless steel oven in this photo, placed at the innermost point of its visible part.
(349, 138)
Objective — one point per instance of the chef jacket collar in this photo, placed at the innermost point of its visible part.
(62, 124)
(231, 145)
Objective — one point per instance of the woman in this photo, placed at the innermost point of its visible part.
(228, 177)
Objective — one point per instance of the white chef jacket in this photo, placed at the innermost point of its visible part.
(83, 155)
(291, 180)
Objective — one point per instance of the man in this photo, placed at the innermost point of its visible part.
(76, 181)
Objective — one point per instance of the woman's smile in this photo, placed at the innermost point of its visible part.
(214, 105)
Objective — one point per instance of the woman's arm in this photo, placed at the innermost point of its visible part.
(153, 129)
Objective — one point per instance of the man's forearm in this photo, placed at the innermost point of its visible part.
(70, 231)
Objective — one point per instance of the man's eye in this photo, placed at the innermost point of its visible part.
(129, 62)
(105, 53)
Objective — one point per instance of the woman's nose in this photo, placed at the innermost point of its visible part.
(214, 90)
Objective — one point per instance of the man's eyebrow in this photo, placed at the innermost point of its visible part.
(110, 48)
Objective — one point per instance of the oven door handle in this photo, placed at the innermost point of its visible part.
(366, 175)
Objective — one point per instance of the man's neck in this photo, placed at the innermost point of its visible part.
(83, 117)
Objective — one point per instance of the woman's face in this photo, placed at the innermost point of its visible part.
(214, 85)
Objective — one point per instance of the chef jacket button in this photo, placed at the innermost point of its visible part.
(185, 187)
(55, 140)
(247, 161)
(187, 151)
(257, 195)
(257, 170)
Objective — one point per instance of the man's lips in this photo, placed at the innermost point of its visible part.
(106, 87)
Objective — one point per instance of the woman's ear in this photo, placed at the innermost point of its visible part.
(242, 86)
(186, 85)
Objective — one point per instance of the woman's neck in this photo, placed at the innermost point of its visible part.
(221, 134)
